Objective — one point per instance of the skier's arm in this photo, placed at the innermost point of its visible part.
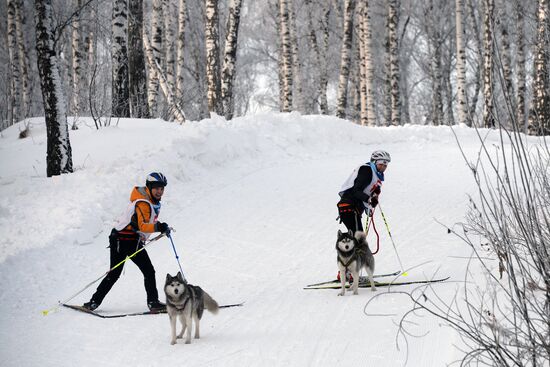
(364, 177)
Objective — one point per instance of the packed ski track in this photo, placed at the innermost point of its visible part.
(253, 204)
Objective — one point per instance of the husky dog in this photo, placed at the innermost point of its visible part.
(353, 255)
(188, 302)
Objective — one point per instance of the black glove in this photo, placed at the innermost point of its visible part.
(376, 190)
(162, 227)
(373, 201)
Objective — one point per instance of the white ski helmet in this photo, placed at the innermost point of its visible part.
(380, 155)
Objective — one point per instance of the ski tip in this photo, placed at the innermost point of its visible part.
(404, 274)
(45, 312)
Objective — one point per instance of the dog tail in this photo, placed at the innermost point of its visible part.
(210, 304)
(360, 236)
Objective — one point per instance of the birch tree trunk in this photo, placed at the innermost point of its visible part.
(90, 42)
(170, 9)
(520, 66)
(76, 62)
(23, 60)
(323, 101)
(345, 57)
(285, 73)
(213, 57)
(478, 48)
(119, 51)
(15, 86)
(437, 82)
(369, 66)
(180, 64)
(393, 14)
(539, 116)
(137, 78)
(506, 60)
(462, 106)
(156, 46)
(362, 65)
(488, 117)
(296, 63)
(314, 45)
(155, 68)
(230, 57)
(58, 156)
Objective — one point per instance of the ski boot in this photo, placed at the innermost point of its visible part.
(91, 305)
(156, 306)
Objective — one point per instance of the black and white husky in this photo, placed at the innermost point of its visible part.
(353, 255)
(188, 302)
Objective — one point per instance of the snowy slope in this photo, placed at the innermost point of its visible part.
(253, 202)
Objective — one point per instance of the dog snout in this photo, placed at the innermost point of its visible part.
(176, 291)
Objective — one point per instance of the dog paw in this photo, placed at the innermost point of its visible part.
(341, 293)
(373, 289)
(355, 293)
(172, 342)
(188, 342)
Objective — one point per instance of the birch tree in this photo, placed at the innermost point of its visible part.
(285, 69)
(230, 57)
(478, 49)
(119, 52)
(76, 61)
(393, 19)
(323, 101)
(155, 68)
(462, 107)
(539, 116)
(137, 78)
(180, 63)
(299, 97)
(213, 56)
(362, 65)
(14, 113)
(170, 9)
(23, 60)
(156, 46)
(506, 59)
(90, 42)
(488, 118)
(59, 155)
(345, 57)
(369, 65)
(520, 65)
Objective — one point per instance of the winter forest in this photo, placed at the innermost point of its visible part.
(393, 62)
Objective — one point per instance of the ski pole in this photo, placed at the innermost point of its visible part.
(177, 257)
(393, 243)
(46, 312)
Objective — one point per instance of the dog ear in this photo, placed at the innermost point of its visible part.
(168, 277)
(180, 277)
(339, 233)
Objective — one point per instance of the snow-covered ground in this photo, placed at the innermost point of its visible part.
(253, 202)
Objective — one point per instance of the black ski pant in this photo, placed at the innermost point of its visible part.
(121, 246)
(350, 216)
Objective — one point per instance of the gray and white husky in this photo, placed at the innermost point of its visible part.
(353, 255)
(188, 302)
